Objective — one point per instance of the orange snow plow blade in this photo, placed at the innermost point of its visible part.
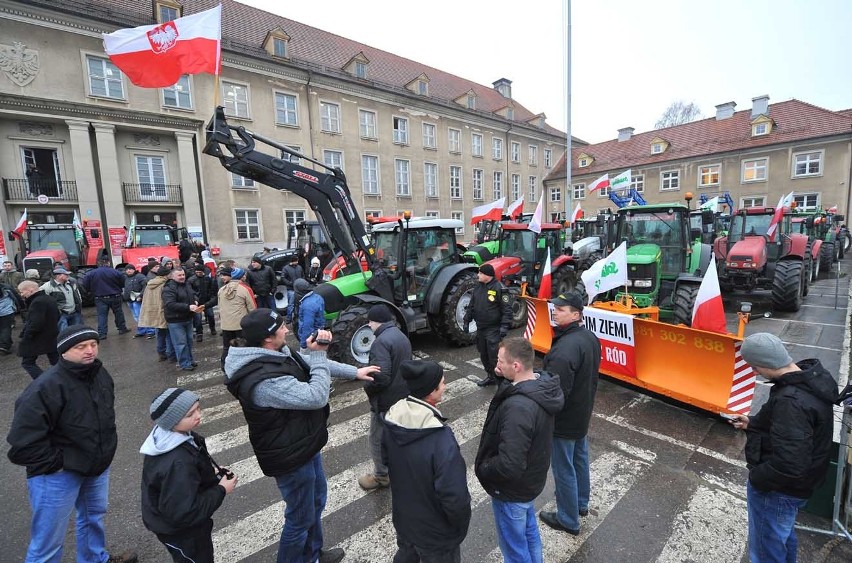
(699, 368)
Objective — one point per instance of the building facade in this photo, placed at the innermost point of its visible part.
(79, 137)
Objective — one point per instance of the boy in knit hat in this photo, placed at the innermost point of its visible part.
(181, 484)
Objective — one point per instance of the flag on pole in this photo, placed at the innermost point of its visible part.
(708, 312)
(492, 211)
(535, 222)
(156, 56)
(711, 204)
(600, 183)
(622, 181)
(577, 214)
(607, 273)
(545, 288)
(832, 209)
(78, 227)
(22, 224)
(785, 201)
(517, 208)
(129, 242)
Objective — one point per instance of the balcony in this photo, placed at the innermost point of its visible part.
(153, 193)
(23, 189)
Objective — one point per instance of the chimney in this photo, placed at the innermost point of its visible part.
(726, 110)
(760, 106)
(625, 133)
(504, 86)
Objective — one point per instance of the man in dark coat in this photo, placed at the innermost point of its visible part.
(514, 450)
(490, 308)
(134, 289)
(261, 279)
(389, 349)
(179, 307)
(575, 357)
(40, 329)
(205, 288)
(289, 274)
(431, 503)
(106, 284)
(64, 433)
(788, 444)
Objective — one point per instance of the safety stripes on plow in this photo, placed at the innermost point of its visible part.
(742, 385)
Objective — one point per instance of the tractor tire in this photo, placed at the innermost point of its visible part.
(352, 336)
(451, 318)
(519, 311)
(788, 286)
(828, 253)
(684, 302)
(591, 259)
(565, 280)
(816, 269)
(845, 243)
(808, 274)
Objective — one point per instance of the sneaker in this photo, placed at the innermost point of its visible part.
(163, 357)
(150, 336)
(584, 512)
(199, 337)
(370, 482)
(195, 364)
(126, 557)
(139, 335)
(552, 521)
(332, 555)
(123, 331)
(212, 332)
(190, 368)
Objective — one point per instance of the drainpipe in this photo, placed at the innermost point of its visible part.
(310, 113)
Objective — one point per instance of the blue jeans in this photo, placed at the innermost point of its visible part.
(304, 491)
(52, 498)
(771, 521)
(517, 531)
(136, 309)
(69, 319)
(181, 335)
(164, 343)
(103, 305)
(291, 302)
(198, 321)
(570, 464)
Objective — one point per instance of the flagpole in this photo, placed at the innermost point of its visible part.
(569, 192)
(216, 87)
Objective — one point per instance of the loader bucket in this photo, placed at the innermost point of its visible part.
(695, 367)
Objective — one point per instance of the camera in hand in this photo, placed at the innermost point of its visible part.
(224, 472)
(320, 341)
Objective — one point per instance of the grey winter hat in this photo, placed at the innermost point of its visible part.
(73, 335)
(765, 350)
(171, 406)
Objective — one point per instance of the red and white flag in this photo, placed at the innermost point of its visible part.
(832, 209)
(577, 215)
(600, 183)
(535, 222)
(708, 313)
(22, 225)
(492, 211)
(156, 56)
(785, 201)
(545, 288)
(517, 208)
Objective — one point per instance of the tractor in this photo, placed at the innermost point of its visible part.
(486, 244)
(591, 237)
(158, 241)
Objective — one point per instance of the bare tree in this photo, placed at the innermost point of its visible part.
(678, 113)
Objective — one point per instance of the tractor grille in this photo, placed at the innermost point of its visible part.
(43, 265)
(642, 272)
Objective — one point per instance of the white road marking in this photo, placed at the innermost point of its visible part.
(217, 412)
(420, 355)
(736, 489)
(477, 363)
(798, 321)
(644, 455)
(447, 366)
(184, 380)
(812, 346)
(211, 392)
(824, 306)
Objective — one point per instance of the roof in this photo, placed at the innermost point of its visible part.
(793, 120)
(511, 226)
(421, 224)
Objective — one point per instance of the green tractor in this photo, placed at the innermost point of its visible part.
(486, 243)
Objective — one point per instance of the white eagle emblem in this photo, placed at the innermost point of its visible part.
(163, 37)
(20, 64)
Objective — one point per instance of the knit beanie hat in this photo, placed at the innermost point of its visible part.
(421, 376)
(487, 269)
(73, 335)
(765, 350)
(380, 314)
(315, 262)
(166, 260)
(237, 273)
(171, 406)
(225, 271)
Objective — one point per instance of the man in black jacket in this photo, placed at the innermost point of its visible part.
(390, 348)
(289, 274)
(514, 450)
(64, 433)
(489, 307)
(574, 356)
(205, 288)
(179, 307)
(261, 280)
(40, 329)
(788, 444)
(106, 284)
(431, 503)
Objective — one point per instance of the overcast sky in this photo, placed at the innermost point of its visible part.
(631, 58)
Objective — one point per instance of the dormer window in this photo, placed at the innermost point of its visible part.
(279, 48)
(510, 114)
(277, 44)
(167, 10)
(656, 148)
(422, 87)
(759, 129)
(658, 145)
(360, 69)
(471, 101)
(584, 162)
(357, 66)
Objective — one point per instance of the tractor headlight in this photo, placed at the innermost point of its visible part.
(643, 283)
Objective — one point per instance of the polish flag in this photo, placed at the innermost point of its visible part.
(492, 211)
(577, 215)
(785, 201)
(535, 222)
(156, 56)
(517, 208)
(22, 225)
(545, 288)
(708, 313)
(602, 182)
(832, 209)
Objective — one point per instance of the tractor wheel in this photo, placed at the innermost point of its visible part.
(684, 302)
(816, 268)
(788, 285)
(451, 318)
(352, 336)
(587, 263)
(519, 311)
(845, 243)
(828, 254)
(807, 274)
(565, 280)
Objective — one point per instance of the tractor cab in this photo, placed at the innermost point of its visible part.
(523, 252)
(703, 225)
(146, 236)
(52, 244)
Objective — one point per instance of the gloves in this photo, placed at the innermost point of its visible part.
(503, 332)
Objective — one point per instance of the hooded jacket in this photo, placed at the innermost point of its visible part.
(151, 314)
(235, 301)
(311, 316)
(55, 291)
(41, 327)
(65, 419)
(262, 280)
(205, 287)
(134, 284)
(180, 488)
(788, 441)
(390, 348)
(514, 449)
(575, 357)
(177, 297)
(289, 275)
(431, 502)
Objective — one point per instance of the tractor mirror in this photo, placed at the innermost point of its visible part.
(695, 233)
(838, 218)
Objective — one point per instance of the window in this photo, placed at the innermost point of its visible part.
(476, 144)
(329, 117)
(604, 191)
(178, 95)
(708, 176)
(373, 213)
(367, 123)
(496, 148)
(104, 78)
(656, 148)
(360, 69)
(238, 181)
(471, 101)
(291, 158)
(151, 173)
(516, 152)
(516, 187)
(432, 214)
(555, 194)
(370, 174)
(533, 155)
(670, 180)
(754, 170)
(510, 114)
(400, 130)
(531, 195)
(454, 140)
(236, 99)
(423, 88)
(458, 216)
(548, 158)
(333, 158)
(498, 185)
(167, 13)
(637, 182)
(455, 182)
(579, 191)
(430, 179)
(807, 164)
(752, 201)
(279, 47)
(759, 129)
(248, 224)
(583, 162)
(430, 136)
(285, 109)
(806, 202)
(476, 186)
(403, 177)
(291, 217)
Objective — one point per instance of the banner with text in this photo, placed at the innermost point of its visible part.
(615, 331)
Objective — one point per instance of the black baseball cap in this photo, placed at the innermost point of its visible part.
(572, 299)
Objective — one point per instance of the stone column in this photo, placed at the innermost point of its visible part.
(111, 189)
(84, 170)
(189, 180)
